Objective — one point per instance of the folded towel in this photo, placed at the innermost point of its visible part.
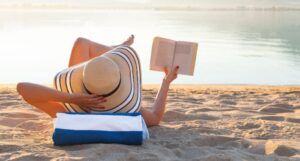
(81, 128)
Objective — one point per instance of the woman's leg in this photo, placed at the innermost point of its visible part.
(84, 49)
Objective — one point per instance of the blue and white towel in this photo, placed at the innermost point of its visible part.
(82, 128)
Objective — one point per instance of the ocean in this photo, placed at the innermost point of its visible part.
(234, 47)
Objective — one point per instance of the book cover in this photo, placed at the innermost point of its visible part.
(170, 53)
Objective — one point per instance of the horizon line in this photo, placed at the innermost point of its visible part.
(155, 8)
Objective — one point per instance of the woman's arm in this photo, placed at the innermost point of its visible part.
(35, 93)
(154, 116)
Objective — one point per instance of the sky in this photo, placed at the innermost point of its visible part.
(159, 3)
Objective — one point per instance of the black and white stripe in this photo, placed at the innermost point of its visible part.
(139, 83)
(130, 96)
(58, 87)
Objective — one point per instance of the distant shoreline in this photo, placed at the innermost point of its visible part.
(58, 7)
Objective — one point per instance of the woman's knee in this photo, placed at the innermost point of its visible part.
(80, 41)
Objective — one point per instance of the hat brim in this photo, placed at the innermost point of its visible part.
(126, 98)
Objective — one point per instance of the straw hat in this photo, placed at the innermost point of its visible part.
(115, 74)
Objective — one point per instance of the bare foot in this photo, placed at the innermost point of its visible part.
(129, 41)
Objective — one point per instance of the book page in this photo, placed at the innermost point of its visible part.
(185, 57)
(162, 53)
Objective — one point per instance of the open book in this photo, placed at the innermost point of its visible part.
(169, 53)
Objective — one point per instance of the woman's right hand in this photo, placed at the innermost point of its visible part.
(87, 100)
(172, 75)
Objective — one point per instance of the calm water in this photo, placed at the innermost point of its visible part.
(235, 47)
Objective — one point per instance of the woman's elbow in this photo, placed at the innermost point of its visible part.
(154, 122)
(24, 90)
(151, 118)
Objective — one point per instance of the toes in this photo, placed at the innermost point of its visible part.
(130, 39)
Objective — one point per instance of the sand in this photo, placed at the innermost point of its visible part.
(207, 123)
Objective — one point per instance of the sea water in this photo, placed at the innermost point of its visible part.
(234, 47)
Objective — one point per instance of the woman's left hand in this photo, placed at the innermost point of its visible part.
(87, 100)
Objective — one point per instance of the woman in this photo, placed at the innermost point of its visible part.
(50, 100)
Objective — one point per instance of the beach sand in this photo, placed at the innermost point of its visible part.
(209, 123)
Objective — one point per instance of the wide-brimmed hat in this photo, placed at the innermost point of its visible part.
(116, 75)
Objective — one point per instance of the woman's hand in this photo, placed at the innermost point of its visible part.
(170, 76)
(87, 100)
